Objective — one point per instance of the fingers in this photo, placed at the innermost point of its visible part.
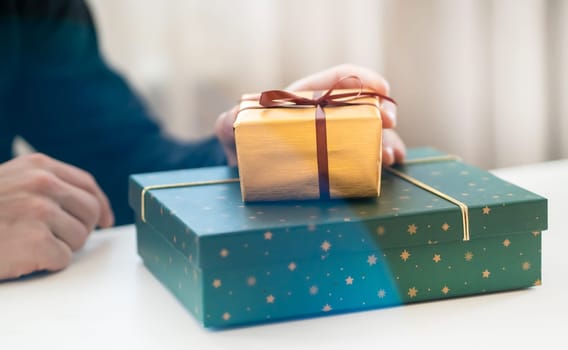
(74, 200)
(28, 246)
(28, 207)
(50, 253)
(225, 134)
(62, 196)
(47, 210)
(80, 179)
(388, 114)
(370, 79)
(66, 227)
(394, 149)
(325, 79)
(76, 180)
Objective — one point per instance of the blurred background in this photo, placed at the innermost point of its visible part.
(483, 79)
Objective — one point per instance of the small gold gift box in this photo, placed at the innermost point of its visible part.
(293, 146)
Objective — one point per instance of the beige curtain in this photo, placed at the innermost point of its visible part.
(482, 79)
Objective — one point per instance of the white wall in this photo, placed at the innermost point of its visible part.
(479, 78)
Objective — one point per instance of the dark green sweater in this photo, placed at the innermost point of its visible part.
(57, 93)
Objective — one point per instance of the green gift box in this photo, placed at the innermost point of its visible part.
(440, 229)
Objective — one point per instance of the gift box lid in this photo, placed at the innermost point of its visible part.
(431, 199)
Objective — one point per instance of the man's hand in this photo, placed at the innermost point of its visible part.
(393, 147)
(47, 210)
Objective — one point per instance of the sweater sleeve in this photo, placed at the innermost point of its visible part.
(76, 109)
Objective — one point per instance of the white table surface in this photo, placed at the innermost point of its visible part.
(107, 299)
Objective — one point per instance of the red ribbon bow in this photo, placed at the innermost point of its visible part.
(286, 99)
(282, 98)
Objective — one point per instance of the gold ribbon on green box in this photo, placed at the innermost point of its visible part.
(462, 206)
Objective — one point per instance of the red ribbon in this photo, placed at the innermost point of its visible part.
(286, 99)
(282, 98)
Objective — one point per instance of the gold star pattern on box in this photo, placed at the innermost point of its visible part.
(372, 260)
(316, 259)
(412, 292)
(292, 266)
(412, 229)
(251, 281)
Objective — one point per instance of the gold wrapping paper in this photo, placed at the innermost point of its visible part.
(277, 152)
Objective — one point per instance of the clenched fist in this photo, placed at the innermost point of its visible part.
(47, 210)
